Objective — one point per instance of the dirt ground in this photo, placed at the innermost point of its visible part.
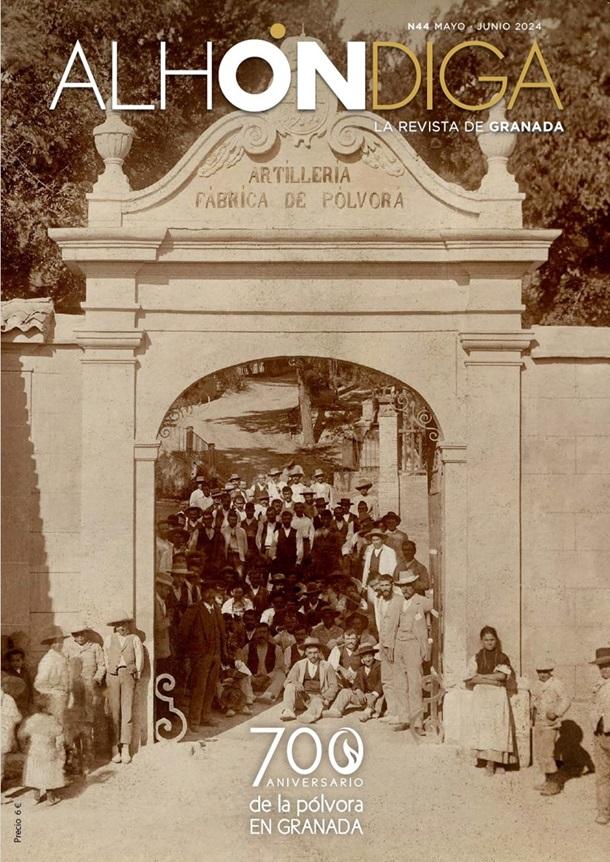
(191, 801)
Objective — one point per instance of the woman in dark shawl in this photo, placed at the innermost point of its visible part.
(491, 677)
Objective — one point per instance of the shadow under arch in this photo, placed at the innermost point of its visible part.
(431, 417)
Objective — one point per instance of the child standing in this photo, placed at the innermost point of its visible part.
(550, 703)
(44, 764)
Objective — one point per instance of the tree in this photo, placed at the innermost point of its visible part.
(565, 176)
(49, 162)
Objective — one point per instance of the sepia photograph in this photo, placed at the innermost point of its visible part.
(305, 430)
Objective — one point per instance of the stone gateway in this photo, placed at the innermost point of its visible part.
(312, 234)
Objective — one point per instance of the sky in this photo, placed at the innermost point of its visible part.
(386, 14)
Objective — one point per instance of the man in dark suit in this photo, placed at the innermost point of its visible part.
(289, 549)
(259, 594)
(202, 633)
(210, 543)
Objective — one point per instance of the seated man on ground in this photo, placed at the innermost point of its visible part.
(345, 659)
(366, 691)
(265, 661)
(311, 685)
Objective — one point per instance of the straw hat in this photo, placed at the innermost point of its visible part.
(406, 578)
(311, 642)
(121, 616)
(602, 657)
(52, 634)
(545, 662)
(363, 649)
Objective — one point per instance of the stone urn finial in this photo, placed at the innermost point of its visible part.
(113, 140)
(497, 146)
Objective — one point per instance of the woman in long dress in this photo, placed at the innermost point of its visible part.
(53, 677)
(44, 763)
(493, 733)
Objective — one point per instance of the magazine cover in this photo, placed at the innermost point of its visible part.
(306, 430)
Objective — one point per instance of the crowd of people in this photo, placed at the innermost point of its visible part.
(79, 701)
(283, 592)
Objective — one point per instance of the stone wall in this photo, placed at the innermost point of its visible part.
(41, 462)
(566, 501)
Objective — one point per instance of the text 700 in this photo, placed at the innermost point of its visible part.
(354, 753)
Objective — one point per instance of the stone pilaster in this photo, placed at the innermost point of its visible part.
(145, 455)
(388, 488)
(107, 486)
(494, 362)
(454, 563)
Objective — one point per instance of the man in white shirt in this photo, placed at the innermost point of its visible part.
(278, 606)
(236, 543)
(550, 701)
(124, 658)
(164, 549)
(274, 484)
(266, 536)
(311, 685)
(379, 559)
(297, 485)
(238, 604)
(321, 488)
(258, 488)
(302, 523)
(260, 508)
(201, 496)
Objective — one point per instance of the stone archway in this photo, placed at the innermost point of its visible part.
(394, 437)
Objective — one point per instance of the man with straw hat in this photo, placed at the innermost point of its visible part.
(52, 676)
(364, 488)
(550, 703)
(124, 662)
(600, 719)
(411, 645)
(379, 558)
(311, 685)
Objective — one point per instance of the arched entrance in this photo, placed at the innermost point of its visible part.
(346, 419)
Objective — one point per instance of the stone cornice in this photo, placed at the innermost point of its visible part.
(109, 339)
(146, 451)
(483, 253)
(478, 346)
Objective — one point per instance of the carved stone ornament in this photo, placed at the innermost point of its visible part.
(497, 147)
(298, 128)
(28, 314)
(113, 140)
